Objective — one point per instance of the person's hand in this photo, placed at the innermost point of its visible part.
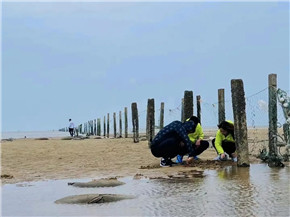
(223, 155)
(189, 160)
(197, 142)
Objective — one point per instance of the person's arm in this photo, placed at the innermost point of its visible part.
(180, 130)
(218, 142)
(200, 132)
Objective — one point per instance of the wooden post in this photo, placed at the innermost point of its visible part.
(92, 127)
(108, 125)
(135, 122)
(104, 126)
(115, 127)
(286, 130)
(161, 125)
(198, 108)
(120, 124)
(272, 79)
(150, 129)
(98, 127)
(221, 105)
(126, 122)
(240, 122)
(188, 104)
(95, 127)
(182, 110)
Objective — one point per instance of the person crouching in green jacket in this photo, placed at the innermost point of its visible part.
(196, 138)
(224, 141)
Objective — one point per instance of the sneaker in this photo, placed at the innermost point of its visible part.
(195, 158)
(164, 163)
(235, 159)
(179, 159)
(217, 158)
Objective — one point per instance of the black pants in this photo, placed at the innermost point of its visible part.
(168, 148)
(71, 131)
(228, 147)
(202, 147)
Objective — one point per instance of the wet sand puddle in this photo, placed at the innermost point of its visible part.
(230, 191)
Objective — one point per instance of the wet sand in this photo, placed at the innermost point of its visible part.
(39, 159)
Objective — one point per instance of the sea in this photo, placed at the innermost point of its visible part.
(33, 134)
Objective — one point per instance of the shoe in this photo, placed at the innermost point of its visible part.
(235, 159)
(217, 158)
(195, 158)
(164, 163)
(179, 159)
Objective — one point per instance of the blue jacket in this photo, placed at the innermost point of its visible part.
(177, 128)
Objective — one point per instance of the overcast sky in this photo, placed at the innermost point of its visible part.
(84, 60)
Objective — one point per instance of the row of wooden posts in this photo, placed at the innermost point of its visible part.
(239, 112)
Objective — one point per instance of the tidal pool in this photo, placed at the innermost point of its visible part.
(231, 191)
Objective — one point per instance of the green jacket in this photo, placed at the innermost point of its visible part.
(198, 134)
(219, 138)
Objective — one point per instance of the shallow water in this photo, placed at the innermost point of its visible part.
(231, 191)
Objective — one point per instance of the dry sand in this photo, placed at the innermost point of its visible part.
(39, 159)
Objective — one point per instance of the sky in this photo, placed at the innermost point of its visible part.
(82, 60)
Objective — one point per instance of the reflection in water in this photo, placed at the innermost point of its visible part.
(231, 191)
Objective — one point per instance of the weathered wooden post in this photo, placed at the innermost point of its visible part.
(274, 159)
(182, 110)
(150, 129)
(188, 104)
(198, 108)
(120, 124)
(92, 127)
(95, 127)
(240, 122)
(135, 122)
(98, 127)
(161, 125)
(115, 127)
(221, 105)
(81, 129)
(108, 125)
(126, 122)
(104, 126)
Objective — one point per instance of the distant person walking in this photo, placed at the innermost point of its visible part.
(71, 128)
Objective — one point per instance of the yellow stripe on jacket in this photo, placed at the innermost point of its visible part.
(198, 134)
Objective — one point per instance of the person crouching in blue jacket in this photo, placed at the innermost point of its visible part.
(173, 140)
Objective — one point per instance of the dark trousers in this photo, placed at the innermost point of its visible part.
(168, 148)
(202, 147)
(71, 131)
(228, 147)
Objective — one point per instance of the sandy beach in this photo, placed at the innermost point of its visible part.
(26, 160)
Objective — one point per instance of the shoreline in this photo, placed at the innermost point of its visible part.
(25, 160)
